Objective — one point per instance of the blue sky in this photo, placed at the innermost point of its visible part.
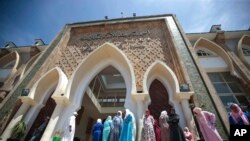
(22, 21)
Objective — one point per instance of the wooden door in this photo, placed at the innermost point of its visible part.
(159, 99)
(47, 110)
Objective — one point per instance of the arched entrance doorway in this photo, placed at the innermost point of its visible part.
(51, 85)
(46, 111)
(159, 99)
(162, 85)
(42, 99)
(78, 87)
(105, 95)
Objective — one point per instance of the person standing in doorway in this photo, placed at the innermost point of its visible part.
(116, 127)
(165, 133)
(128, 128)
(38, 132)
(148, 123)
(106, 129)
(69, 133)
(176, 133)
(157, 130)
(97, 131)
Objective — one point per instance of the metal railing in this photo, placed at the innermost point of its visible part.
(115, 100)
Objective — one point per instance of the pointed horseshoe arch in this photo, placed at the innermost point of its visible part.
(105, 55)
(159, 70)
(53, 78)
(243, 39)
(205, 43)
(13, 56)
(50, 86)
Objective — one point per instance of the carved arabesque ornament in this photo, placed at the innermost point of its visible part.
(143, 45)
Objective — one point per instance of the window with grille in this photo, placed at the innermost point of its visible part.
(229, 89)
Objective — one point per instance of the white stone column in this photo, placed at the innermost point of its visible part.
(189, 118)
(48, 133)
(183, 97)
(140, 109)
(18, 117)
(140, 99)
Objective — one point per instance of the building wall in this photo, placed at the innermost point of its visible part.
(139, 41)
(11, 76)
(232, 44)
(142, 42)
(227, 43)
(209, 63)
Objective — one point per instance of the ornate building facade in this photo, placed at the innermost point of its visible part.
(97, 68)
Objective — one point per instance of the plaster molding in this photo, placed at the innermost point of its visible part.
(244, 38)
(140, 96)
(184, 95)
(28, 100)
(205, 43)
(98, 60)
(8, 58)
(165, 72)
(53, 77)
(102, 57)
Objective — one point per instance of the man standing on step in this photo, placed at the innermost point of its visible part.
(70, 129)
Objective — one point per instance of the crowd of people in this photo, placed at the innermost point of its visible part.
(206, 121)
(116, 129)
(166, 128)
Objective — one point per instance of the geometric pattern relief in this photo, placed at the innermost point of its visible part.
(143, 44)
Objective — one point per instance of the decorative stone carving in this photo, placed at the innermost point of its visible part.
(143, 43)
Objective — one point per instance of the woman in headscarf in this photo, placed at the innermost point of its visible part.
(163, 119)
(116, 127)
(206, 121)
(148, 123)
(97, 131)
(106, 129)
(128, 128)
(176, 133)
(157, 130)
(237, 116)
(188, 135)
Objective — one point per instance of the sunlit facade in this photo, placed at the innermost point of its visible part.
(97, 68)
